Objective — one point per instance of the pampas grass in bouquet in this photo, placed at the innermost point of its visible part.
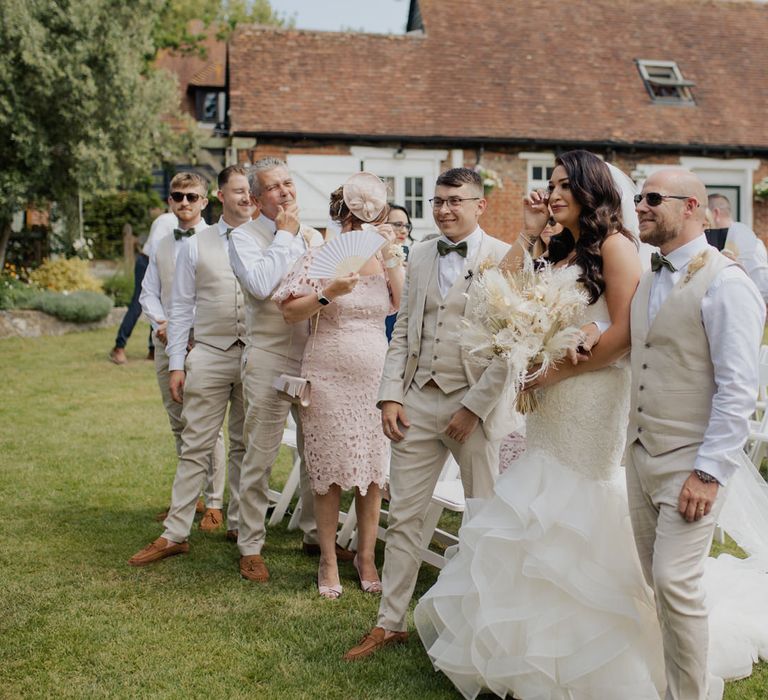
(525, 317)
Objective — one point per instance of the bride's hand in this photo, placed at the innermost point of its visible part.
(553, 375)
(590, 337)
(535, 213)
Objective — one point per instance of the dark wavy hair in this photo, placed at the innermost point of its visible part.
(593, 188)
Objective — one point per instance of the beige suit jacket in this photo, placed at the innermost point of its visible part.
(489, 395)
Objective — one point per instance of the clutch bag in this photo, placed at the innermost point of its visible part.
(294, 389)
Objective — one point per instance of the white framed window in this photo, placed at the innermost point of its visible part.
(410, 174)
(539, 167)
(665, 82)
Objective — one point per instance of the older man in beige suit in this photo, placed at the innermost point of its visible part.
(697, 324)
(433, 402)
(261, 253)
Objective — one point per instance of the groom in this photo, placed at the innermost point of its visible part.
(432, 401)
(697, 324)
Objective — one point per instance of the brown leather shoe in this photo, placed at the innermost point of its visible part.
(212, 520)
(373, 641)
(151, 354)
(157, 550)
(117, 356)
(231, 535)
(313, 550)
(253, 568)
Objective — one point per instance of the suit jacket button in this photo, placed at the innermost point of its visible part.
(645, 366)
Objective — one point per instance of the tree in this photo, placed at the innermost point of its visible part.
(81, 106)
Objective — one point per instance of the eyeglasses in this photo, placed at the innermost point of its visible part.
(653, 199)
(399, 225)
(192, 197)
(452, 202)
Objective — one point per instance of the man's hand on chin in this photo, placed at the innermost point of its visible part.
(462, 425)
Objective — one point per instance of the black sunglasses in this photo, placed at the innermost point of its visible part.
(653, 199)
(192, 197)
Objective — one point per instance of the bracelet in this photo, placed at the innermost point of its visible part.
(391, 263)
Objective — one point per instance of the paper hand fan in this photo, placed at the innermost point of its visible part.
(346, 253)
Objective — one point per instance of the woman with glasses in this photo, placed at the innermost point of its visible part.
(400, 221)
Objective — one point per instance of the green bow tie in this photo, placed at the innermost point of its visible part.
(444, 248)
(178, 233)
(658, 261)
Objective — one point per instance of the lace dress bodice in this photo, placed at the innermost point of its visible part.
(582, 421)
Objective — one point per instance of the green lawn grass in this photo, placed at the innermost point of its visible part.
(86, 461)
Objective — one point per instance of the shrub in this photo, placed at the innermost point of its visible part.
(65, 275)
(78, 307)
(119, 288)
(15, 294)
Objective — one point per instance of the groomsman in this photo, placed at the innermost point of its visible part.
(206, 296)
(433, 402)
(740, 240)
(187, 201)
(262, 252)
(697, 324)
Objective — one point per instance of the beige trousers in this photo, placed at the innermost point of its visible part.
(417, 461)
(265, 416)
(672, 555)
(212, 383)
(213, 489)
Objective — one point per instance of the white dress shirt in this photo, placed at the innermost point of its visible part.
(161, 227)
(259, 270)
(450, 266)
(733, 315)
(149, 298)
(182, 315)
(750, 252)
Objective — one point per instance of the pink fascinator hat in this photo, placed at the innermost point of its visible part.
(365, 195)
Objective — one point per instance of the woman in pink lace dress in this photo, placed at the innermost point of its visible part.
(344, 447)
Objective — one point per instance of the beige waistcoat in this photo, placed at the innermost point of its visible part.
(264, 324)
(440, 356)
(672, 374)
(219, 304)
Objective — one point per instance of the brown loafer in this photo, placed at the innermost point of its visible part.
(231, 535)
(212, 520)
(373, 641)
(313, 550)
(157, 550)
(117, 356)
(253, 568)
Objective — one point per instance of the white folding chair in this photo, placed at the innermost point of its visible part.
(281, 500)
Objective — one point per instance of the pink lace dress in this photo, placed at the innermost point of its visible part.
(343, 441)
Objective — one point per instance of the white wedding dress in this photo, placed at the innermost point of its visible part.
(545, 599)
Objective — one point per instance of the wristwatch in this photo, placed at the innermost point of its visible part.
(323, 300)
(704, 477)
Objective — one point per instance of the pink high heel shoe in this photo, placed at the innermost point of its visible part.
(373, 587)
(330, 592)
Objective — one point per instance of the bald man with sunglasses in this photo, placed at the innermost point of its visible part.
(697, 324)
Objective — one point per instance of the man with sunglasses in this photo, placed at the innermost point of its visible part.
(187, 201)
(434, 403)
(697, 324)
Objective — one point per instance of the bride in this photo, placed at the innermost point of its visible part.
(545, 598)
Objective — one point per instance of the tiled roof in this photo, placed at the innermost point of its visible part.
(507, 70)
(193, 69)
